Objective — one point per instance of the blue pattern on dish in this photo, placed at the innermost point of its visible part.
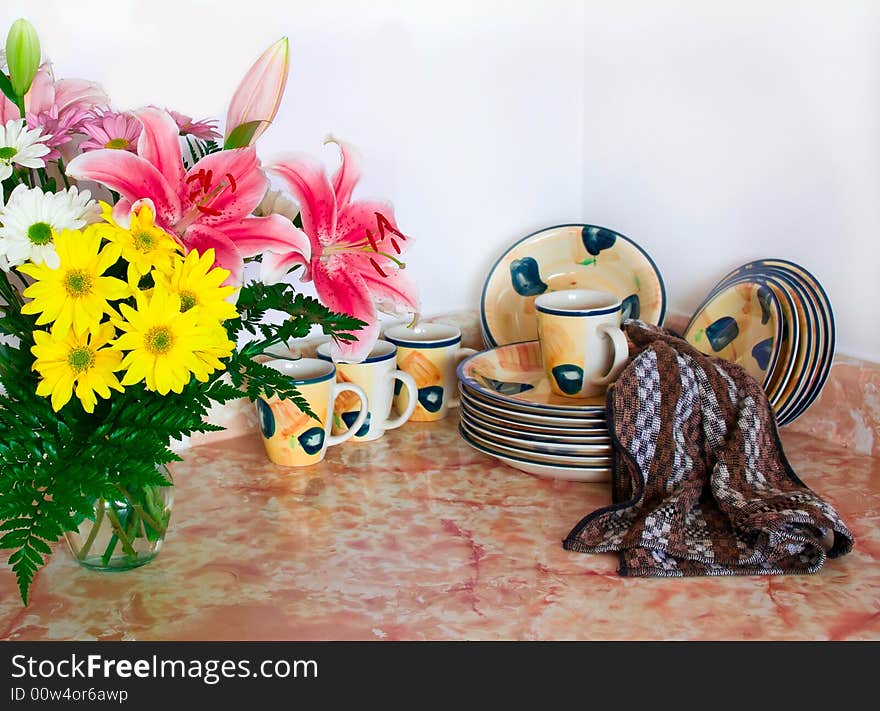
(505, 388)
(721, 332)
(267, 418)
(596, 239)
(526, 277)
(630, 307)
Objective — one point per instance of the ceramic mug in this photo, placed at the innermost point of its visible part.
(430, 353)
(582, 346)
(293, 438)
(378, 376)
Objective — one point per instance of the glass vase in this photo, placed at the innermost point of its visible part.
(126, 531)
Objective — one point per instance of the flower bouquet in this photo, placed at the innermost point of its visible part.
(144, 265)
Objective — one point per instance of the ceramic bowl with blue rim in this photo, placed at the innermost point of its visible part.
(570, 256)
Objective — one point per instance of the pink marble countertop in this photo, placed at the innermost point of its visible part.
(417, 536)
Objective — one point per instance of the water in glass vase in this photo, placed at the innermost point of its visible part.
(124, 531)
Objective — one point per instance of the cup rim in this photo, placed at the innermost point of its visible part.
(452, 337)
(547, 303)
(322, 351)
(282, 365)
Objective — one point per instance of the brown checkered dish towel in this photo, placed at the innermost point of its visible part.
(701, 485)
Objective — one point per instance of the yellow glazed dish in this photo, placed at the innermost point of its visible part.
(741, 324)
(574, 256)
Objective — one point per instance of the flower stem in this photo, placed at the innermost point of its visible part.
(117, 528)
(143, 514)
(93, 534)
(63, 173)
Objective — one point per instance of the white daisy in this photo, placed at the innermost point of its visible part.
(22, 146)
(31, 218)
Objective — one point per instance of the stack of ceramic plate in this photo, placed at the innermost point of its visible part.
(774, 319)
(509, 412)
(507, 408)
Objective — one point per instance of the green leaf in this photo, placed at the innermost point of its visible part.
(6, 88)
(241, 136)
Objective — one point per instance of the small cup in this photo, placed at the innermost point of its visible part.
(293, 438)
(582, 346)
(378, 376)
(430, 353)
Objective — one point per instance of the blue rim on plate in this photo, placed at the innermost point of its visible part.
(820, 317)
(564, 449)
(809, 337)
(503, 408)
(773, 356)
(531, 417)
(491, 341)
(535, 436)
(495, 453)
(586, 428)
(814, 286)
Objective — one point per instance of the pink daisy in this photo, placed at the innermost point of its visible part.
(110, 129)
(205, 129)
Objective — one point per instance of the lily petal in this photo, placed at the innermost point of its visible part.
(273, 267)
(307, 181)
(258, 235)
(131, 176)
(345, 292)
(347, 175)
(238, 197)
(395, 294)
(226, 254)
(358, 217)
(159, 145)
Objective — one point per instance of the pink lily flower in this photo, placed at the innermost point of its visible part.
(355, 247)
(59, 108)
(207, 207)
(259, 94)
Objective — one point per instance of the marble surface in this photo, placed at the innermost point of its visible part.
(416, 536)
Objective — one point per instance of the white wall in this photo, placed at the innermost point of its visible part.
(717, 133)
(712, 133)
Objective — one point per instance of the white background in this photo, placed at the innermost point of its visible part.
(711, 133)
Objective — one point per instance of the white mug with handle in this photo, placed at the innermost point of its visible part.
(378, 376)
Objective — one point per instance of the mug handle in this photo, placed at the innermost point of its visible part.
(356, 425)
(621, 353)
(459, 356)
(411, 401)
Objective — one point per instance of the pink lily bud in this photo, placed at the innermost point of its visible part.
(255, 102)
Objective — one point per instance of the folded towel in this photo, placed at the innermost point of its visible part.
(700, 483)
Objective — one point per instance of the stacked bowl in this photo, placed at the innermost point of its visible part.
(773, 318)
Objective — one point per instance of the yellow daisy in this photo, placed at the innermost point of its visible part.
(69, 361)
(198, 284)
(76, 293)
(166, 345)
(144, 245)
